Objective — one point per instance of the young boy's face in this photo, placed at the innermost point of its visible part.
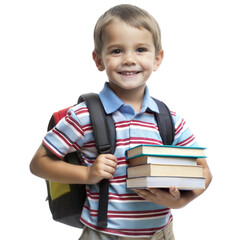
(128, 56)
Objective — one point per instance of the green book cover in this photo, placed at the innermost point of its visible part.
(165, 150)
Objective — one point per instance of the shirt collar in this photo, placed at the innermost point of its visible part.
(148, 103)
(111, 102)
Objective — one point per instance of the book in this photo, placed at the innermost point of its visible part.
(165, 170)
(182, 183)
(145, 159)
(163, 150)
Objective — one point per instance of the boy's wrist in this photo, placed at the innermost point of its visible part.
(187, 197)
(85, 176)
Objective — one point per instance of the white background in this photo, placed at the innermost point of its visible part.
(45, 64)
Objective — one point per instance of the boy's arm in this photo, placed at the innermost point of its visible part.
(174, 198)
(48, 166)
(188, 196)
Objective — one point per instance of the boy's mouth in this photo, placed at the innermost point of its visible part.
(129, 73)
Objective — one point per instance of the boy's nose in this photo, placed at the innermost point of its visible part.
(129, 59)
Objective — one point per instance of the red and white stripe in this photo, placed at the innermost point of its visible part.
(53, 149)
(65, 141)
(131, 197)
(179, 127)
(123, 125)
(82, 111)
(129, 215)
(75, 126)
(187, 142)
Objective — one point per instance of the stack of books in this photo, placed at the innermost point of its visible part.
(156, 166)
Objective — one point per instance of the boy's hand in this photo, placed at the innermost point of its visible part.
(103, 168)
(168, 198)
(173, 198)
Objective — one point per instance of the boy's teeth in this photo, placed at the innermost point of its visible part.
(128, 73)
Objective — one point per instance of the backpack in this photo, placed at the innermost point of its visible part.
(66, 201)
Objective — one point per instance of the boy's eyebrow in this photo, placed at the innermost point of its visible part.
(120, 45)
(114, 45)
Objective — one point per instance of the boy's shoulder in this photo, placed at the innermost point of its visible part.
(79, 113)
(78, 108)
(176, 117)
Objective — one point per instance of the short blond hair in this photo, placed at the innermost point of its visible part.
(132, 15)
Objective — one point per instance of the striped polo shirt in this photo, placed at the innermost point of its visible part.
(128, 214)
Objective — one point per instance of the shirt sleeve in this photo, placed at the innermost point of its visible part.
(66, 136)
(183, 135)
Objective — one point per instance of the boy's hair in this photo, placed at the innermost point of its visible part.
(132, 15)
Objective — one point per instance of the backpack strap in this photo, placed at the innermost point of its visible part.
(97, 116)
(165, 123)
(103, 125)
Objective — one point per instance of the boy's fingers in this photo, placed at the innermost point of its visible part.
(173, 189)
(175, 192)
(156, 191)
(107, 175)
(111, 157)
(104, 157)
(109, 169)
(141, 193)
(110, 163)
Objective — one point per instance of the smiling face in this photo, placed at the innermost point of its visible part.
(128, 56)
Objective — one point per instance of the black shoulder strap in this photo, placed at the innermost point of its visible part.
(97, 116)
(105, 143)
(165, 123)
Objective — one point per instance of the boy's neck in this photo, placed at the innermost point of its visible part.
(133, 97)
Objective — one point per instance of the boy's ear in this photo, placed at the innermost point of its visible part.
(158, 60)
(98, 61)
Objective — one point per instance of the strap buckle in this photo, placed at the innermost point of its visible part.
(104, 149)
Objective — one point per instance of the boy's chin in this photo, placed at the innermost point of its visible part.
(127, 86)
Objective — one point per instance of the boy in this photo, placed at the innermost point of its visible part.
(128, 47)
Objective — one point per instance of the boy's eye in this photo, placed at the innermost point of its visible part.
(141, 50)
(116, 51)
